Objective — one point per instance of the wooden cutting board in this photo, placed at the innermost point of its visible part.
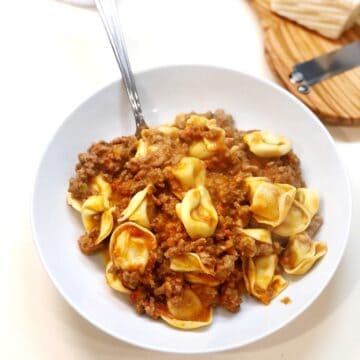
(336, 100)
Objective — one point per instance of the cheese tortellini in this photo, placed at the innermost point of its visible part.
(137, 209)
(197, 213)
(203, 279)
(143, 149)
(195, 272)
(304, 207)
(261, 235)
(190, 172)
(301, 254)
(169, 130)
(130, 246)
(188, 262)
(113, 281)
(205, 147)
(265, 144)
(260, 278)
(74, 203)
(187, 312)
(270, 203)
(96, 210)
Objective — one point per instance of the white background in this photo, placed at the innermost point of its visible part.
(52, 57)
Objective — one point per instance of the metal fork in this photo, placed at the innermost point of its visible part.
(109, 16)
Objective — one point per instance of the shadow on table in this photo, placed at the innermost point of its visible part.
(345, 134)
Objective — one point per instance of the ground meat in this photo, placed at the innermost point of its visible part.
(230, 292)
(144, 303)
(184, 246)
(220, 253)
(130, 279)
(246, 246)
(315, 225)
(102, 157)
(79, 188)
(207, 294)
(172, 286)
(87, 243)
(225, 266)
(264, 249)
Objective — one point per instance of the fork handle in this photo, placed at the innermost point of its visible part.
(109, 15)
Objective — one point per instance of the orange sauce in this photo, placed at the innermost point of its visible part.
(286, 300)
(105, 254)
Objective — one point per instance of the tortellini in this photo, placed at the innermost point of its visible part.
(143, 149)
(301, 254)
(169, 130)
(270, 203)
(197, 213)
(260, 278)
(113, 281)
(197, 120)
(205, 147)
(137, 209)
(194, 270)
(100, 187)
(190, 172)
(96, 211)
(203, 279)
(253, 182)
(188, 313)
(309, 198)
(74, 203)
(261, 235)
(265, 144)
(130, 246)
(188, 262)
(304, 207)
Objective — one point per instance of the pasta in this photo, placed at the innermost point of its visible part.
(304, 207)
(187, 312)
(196, 214)
(204, 279)
(270, 203)
(169, 130)
(130, 246)
(137, 209)
(188, 262)
(265, 144)
(94, 206)
(190, 172)
(260, 278)
(210, 143)
(301, 254)
(261, 235)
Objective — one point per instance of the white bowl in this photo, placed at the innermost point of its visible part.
(164, 92)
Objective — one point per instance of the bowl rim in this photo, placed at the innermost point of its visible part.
(164, 349)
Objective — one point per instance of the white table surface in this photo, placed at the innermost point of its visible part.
(52, 57)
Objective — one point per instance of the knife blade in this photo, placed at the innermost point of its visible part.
(325, 66)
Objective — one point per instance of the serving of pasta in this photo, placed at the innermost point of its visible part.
(196, 214)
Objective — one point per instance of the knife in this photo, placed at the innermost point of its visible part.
(325, 66)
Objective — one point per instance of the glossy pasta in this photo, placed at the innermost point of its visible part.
(196, 214)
